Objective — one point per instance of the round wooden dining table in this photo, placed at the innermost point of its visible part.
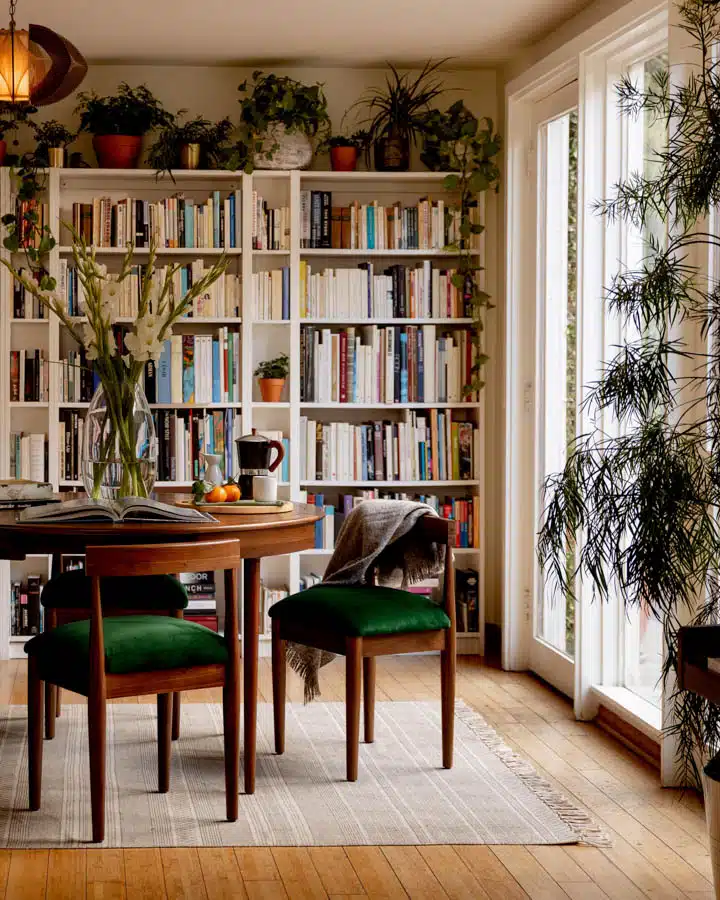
(270, 534)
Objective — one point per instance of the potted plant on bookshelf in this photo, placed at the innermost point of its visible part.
(191, 145)
(51, 141)
(279, 119)
(118, 123)
(271, 376)
(119, 453)
(345, 151)
(11, 118)
(397, 114)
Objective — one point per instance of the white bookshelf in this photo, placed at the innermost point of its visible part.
(259, 339)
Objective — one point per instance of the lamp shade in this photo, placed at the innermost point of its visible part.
(38, 66)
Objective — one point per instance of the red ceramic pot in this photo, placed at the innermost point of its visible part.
(117, 151)
(3, 151)
(343, 159)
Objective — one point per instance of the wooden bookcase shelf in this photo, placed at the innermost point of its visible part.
(260, 339)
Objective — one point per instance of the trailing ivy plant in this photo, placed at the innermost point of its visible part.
(459, 142)
(24, 230)
(644, 495)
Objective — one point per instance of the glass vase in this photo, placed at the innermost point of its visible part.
(119, 452)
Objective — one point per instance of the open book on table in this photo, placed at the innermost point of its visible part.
(126, 509)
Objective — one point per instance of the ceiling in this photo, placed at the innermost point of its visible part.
(329, 32)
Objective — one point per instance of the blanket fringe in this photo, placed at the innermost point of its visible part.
(587, 830)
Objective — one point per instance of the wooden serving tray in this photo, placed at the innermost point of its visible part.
(240, 507)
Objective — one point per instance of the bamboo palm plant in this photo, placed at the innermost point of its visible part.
(643, 501)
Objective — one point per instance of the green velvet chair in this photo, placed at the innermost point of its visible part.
(67, 597)
(117, 652)
(361, 623)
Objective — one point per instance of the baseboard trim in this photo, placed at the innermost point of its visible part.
(629, 735)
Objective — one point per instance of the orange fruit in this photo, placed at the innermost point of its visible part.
(232, 493)
(216, 495)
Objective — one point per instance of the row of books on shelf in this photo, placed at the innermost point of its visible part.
(271, 294)
(270, 226)
(465, 512)
(395, 364)
(184, 436)
(76, 379)
(33, 217)
(29, 376)
(427, 225)
(26, 612)
(222, 300)
(202, 600)
(393, 292)
(427, 447)
(28, 456)
(172, 222)
(71, 428)
(268, 597)
(196, 368)
(25, 304)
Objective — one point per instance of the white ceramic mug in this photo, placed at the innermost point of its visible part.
(264, 487)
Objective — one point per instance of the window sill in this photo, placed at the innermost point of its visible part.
(633, 709)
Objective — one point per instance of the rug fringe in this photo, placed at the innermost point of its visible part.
(588, 831)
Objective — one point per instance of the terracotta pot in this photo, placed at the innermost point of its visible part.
(117, 151)
(271, 389)
(392, 153)
(3, 151)
(343, 159)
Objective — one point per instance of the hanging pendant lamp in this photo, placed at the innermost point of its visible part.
(37, 65)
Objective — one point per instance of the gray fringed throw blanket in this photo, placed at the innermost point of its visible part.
(376, 538)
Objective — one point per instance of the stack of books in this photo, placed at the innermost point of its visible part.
(271, 294)
(29, 376)
(398, 364)
(76, 381)
(172, 222)
(202, 603)
(429, 225)
(428, 447)
(28, 456)
(309, 580)
(184, 435)
(26, 613)
(25, 304)
(196, 368)
(71, 428)
(393, 292)
(268, 597)
(464, 511)
(270, 226)
(221, 301)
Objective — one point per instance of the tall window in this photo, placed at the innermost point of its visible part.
(557, 332)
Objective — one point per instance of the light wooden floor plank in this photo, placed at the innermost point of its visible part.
(67, 875)
(454, 876)
(375, 872)
(335, 871)
(183, 875)
(144, 879)
(413, 873)
(298, 873)
(27, 878)
(221, 873)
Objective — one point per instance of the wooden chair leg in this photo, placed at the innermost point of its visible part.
(35, 734)
(164, 743)
(279, 672)
(231, 732)
(176, 715)
(447, 694)
(50, 712)
(353, 667)
(58, 701)
(369, 697)
(97, 720)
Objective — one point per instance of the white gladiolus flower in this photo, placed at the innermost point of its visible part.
(110, 298)
(89, 339)
(144, 344)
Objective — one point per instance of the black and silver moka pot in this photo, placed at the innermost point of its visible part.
(253, 453)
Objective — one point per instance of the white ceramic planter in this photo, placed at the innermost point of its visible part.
(294, 150)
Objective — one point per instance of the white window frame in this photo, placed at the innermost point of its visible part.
(596, 59)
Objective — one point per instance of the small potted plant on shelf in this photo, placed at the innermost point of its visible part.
(344, 151)
(11, 118)
(192, 144)
(271, 376)
(279, 119)
(52, 139)
(397, 114)
(118, 123)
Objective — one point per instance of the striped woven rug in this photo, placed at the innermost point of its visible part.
(403, 796)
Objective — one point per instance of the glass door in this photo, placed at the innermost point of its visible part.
(555, 160)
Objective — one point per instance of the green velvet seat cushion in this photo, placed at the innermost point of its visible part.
(132, 644)
(361, 611)
(72, 590)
